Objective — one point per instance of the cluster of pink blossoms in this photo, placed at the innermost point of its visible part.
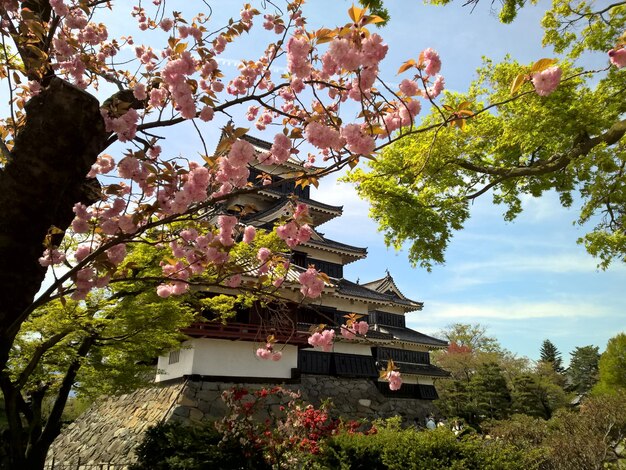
(547, 81)
(296, 231)
(322, 339)
(124, 126)
(174, 75)
(351, 330)
(618, 57)
(279, 152)
(268, 353)
(51, 256)
(312, 283)
(395, 380)
(233, 170)
(197, 252)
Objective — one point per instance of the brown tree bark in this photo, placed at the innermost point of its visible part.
(44, 177)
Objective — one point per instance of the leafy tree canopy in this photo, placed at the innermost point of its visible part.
(472, 336)
(583, 369)
(512, 144)
(612, 366)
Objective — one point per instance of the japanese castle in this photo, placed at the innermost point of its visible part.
(226, 352)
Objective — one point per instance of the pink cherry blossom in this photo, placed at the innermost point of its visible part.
(59, 7)
(395, 380)
(432, 62)
(373, 50)
(312, 283)
(347, 332)
(618, 57)
(117, 253)
(323, 136)
(323, 340)
(547, 81)
(263, 254)
(437, 88)
(249, 233)
(263, 353)
(362, 327)
(82, 252)
(51, 256)
(409, 87)
(226, 223)
(234, 281)
(166, 24)
(298, 56)
(358, 141)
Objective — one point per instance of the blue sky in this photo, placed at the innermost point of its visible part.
(527, 280)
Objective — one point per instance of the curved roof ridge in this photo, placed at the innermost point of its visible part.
(386, 284)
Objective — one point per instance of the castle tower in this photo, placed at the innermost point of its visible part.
(226, 352)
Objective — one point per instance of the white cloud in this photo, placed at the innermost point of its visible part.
(515, 310)
(557, 263)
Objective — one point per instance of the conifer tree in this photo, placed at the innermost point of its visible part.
(583, 370)
(550, 354)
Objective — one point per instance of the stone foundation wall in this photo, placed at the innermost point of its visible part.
(109, 431)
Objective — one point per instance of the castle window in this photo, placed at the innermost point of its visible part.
(390, 319)
(174, 357)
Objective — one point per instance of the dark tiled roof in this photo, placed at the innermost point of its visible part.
(309, 202)
(256, 141)
(351, 289)
(418, 369)
(337, 245)
(388, 286)
(411, 336)
(259, 214)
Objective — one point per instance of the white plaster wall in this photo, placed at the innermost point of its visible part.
(321, 254)
(238, 359)
(391, 309)
(344, 305)
(347, 347)
(182, 367)
(408, 379)
(425, 381)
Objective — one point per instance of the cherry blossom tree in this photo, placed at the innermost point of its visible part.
(71, 209)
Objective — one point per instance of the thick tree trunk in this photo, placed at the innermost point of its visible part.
(43, 179)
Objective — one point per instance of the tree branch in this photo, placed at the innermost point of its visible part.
(554, 163)
(37, 355)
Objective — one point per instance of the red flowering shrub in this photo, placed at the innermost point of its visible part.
(275, 422)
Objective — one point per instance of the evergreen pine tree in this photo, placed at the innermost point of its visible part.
(550, 354)
(583, 370)
(489, 392)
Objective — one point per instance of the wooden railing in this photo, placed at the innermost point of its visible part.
(243, 331)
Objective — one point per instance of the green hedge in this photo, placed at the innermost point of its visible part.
(407, 449)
